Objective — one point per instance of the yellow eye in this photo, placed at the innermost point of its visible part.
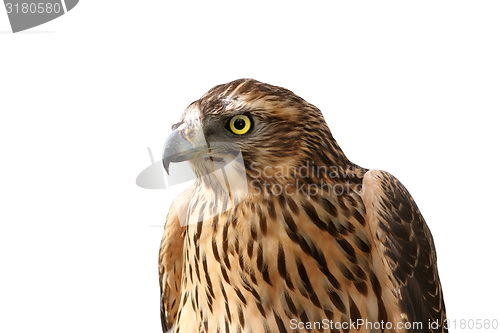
(240, 124)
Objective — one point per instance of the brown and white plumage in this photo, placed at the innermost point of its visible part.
(352, 246)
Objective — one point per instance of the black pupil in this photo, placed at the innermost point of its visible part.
(239, 124)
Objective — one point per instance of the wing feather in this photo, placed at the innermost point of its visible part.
(407, 249)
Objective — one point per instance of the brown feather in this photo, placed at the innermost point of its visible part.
(352, 246)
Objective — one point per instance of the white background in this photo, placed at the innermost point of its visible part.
(409, 88)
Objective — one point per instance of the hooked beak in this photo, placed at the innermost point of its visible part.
(179, 147)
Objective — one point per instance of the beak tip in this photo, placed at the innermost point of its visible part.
(166, 165)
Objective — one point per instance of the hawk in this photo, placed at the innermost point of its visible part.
(306, 241)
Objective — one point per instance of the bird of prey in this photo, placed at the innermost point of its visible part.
(307, 242)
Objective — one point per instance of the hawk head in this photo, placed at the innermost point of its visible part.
(275, 130)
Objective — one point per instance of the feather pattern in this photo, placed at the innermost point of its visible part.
(336, 245)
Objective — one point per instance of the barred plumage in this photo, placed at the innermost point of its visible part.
(337, 244)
